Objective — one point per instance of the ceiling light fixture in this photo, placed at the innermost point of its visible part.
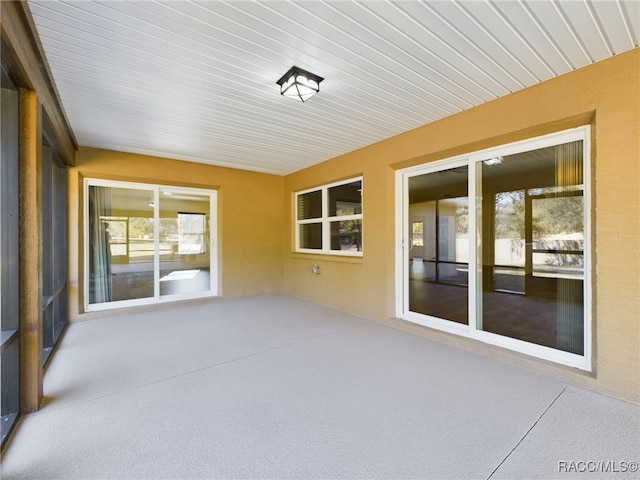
(298, 83)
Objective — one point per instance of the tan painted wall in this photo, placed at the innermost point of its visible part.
(250, 217)
(605, 95)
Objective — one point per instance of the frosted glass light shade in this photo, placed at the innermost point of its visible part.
(300, 84)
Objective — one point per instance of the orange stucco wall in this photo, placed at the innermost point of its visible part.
(605, 95)
(250, 217)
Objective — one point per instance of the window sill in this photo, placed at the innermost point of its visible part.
(327, 257)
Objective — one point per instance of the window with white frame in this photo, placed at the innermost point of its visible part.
(329, 219)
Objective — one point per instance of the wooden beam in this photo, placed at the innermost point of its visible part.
(20, 36)
(30, 215)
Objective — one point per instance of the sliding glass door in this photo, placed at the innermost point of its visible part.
(148, 243)
(511, 265)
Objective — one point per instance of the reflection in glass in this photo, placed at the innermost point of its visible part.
(345, 199)
(558, 235)
(417, 235)
(346, 235)
(439, 269)
(509, 241)
(184, 242)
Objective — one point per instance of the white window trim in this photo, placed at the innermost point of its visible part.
(157, 298)
(582, 362)
(326, 220)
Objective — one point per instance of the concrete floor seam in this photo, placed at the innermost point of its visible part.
(528, 432)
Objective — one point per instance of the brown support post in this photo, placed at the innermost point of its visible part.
(30, 256)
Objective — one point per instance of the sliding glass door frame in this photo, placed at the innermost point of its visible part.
(155, 189)
(473, 329)
(405, 244)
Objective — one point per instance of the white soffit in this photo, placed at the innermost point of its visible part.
(197, 80)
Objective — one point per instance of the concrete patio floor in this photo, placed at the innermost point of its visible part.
(276, 387)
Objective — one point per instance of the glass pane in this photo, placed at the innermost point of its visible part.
(558, 235)
(311, 236)
(509, 242)
(310, 205)
(121, 244)
(417, 230)
(184, 242)
(532, 247)
(345, 199)
(346, 235)
(439, 269)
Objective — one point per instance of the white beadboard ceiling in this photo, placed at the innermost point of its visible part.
(196, 80)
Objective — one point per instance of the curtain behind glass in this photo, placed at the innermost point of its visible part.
(570, 308)
(99, 249)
